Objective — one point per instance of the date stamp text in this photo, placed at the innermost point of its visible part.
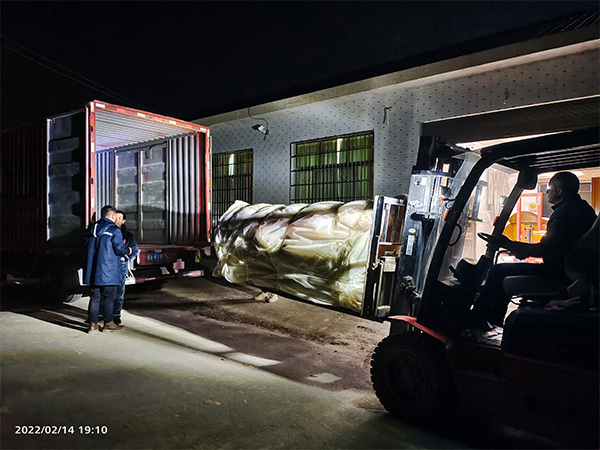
(62, 429)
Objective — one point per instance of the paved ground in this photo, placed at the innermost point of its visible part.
(341, 338)
(200, 364)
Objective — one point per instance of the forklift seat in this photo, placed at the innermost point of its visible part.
(534, 289)
(563, 337)
(581, 267)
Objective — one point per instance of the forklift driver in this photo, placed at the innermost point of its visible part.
(571, 218)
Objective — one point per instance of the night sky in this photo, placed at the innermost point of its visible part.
(192, 59)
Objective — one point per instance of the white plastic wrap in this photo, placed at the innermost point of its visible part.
(316, 252)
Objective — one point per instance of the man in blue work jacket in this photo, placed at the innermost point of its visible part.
(103, 269)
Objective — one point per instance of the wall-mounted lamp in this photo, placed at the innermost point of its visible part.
(264, 129)
(261, 128)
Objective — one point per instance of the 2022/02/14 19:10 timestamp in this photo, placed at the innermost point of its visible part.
(61, 429)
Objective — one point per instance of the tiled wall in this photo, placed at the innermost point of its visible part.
(396, 142)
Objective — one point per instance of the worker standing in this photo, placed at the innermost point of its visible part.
(103, 272)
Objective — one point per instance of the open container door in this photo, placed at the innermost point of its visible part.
(67, 181)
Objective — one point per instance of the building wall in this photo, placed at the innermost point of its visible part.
(485, 89)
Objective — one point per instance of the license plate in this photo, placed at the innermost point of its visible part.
(156, 257)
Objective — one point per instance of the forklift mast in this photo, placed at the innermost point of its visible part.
(402, 231)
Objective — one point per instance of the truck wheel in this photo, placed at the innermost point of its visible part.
(58, 282)
(155, 285)
(411, 376)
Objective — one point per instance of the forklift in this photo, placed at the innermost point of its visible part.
(537, 375)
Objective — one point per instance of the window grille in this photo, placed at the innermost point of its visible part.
(231, 180)
(335, 168)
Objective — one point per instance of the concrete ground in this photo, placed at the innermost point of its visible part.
(186, 300)
(200, 364)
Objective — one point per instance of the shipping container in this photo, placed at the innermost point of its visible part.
(57, 175)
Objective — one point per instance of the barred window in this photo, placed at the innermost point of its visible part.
(335, 168)
(231, 180)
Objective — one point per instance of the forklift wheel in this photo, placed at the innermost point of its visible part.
(411, 376)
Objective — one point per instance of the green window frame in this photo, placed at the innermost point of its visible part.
(336, 168)
(231, 180)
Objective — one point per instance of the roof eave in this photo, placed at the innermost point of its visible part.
(554, 45)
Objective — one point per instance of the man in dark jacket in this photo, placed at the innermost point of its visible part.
(103, 269)
(126, 264)
(571, 219)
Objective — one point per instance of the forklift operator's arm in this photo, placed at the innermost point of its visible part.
(521, 250)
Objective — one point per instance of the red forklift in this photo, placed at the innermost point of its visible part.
(538, 375)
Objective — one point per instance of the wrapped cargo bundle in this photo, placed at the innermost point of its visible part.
(316, 252)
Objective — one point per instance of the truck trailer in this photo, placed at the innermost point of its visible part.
(58, 173)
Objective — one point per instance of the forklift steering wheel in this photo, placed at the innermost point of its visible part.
(486, 237)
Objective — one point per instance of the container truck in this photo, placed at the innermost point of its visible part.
(57, 175)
